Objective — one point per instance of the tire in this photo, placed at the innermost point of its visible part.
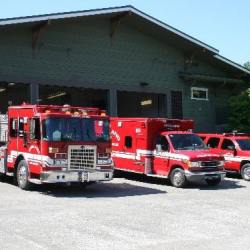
(245, 172)
(213, 182)
(22, 176)
(178, 178)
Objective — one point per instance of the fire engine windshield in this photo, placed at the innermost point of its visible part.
(95, 130)
(63, 129)
(187, 142)
(244, 144)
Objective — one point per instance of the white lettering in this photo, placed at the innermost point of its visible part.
(116, 135)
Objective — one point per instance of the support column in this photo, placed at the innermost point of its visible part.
(34, 95)
(112, 101)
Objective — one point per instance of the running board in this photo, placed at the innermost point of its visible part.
(35, 181)
(232, 171)
(158, 176)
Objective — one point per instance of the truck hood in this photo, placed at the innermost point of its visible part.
(200, 156)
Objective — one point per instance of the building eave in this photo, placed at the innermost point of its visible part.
(67, 15)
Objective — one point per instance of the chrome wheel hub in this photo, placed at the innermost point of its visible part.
(22, 175)
(246, 173)
(177, 178)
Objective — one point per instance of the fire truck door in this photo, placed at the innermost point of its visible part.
(29, 140)
(129, 148)
(13, 135)
(161, 156)
(227, 149)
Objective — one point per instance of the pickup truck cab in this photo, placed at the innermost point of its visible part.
(235, 148)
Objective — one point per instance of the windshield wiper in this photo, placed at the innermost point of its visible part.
(92, 139)
(69, 139)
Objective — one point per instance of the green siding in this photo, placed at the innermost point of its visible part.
(83, 51)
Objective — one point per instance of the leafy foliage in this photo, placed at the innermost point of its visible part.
(247, 65)
(240, 109)
(240, 112)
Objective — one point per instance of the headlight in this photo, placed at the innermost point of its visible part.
(60, 161)
(193, 164)
(221, 163)
(108, 161)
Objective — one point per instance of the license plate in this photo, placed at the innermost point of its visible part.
(82, 176)
(212, 177)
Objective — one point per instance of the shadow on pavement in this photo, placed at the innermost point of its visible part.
(228, 183)
(99, 190)
(6, 179)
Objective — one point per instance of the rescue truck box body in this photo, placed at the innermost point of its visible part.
(155, 147)
(235, 148)
(55, 144)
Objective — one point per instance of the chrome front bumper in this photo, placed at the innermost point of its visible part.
(196, 176)
(75, 176)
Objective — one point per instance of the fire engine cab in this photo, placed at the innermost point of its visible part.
(164, 148)
(55, 144)
(235, 147)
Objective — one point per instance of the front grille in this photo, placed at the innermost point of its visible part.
(209, 164)
(81, 157)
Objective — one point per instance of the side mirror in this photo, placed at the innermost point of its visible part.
(32, 136)
(158, 148)
(231, 148)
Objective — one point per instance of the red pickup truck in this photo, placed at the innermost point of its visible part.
(235, 148)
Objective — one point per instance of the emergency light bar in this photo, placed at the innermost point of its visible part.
(234, 133)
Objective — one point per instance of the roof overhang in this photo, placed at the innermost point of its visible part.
(208, 78)
(139, 20)
(144, 23)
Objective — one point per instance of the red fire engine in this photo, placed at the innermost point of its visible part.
(164, 148)
(55, 144)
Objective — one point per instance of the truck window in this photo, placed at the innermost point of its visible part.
(227, 144)
(96, 130)
(162, 140)
(34, 129)
(21, 127)
(61, 129)
(13, 127)
(187, 142)
(128, 142)
(213, 142)
(244, 144)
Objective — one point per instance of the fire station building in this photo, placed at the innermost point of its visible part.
(119, 59)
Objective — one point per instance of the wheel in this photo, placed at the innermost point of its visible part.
(245, 172)
(22, 175)
(213, 182)
(178, 178)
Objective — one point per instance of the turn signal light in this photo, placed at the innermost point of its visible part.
(108, 150)
(53, 150)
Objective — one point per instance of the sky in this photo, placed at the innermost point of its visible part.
(222, 24)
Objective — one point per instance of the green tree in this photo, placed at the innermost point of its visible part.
(239, 112)
(247, 65)
(239, 109)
